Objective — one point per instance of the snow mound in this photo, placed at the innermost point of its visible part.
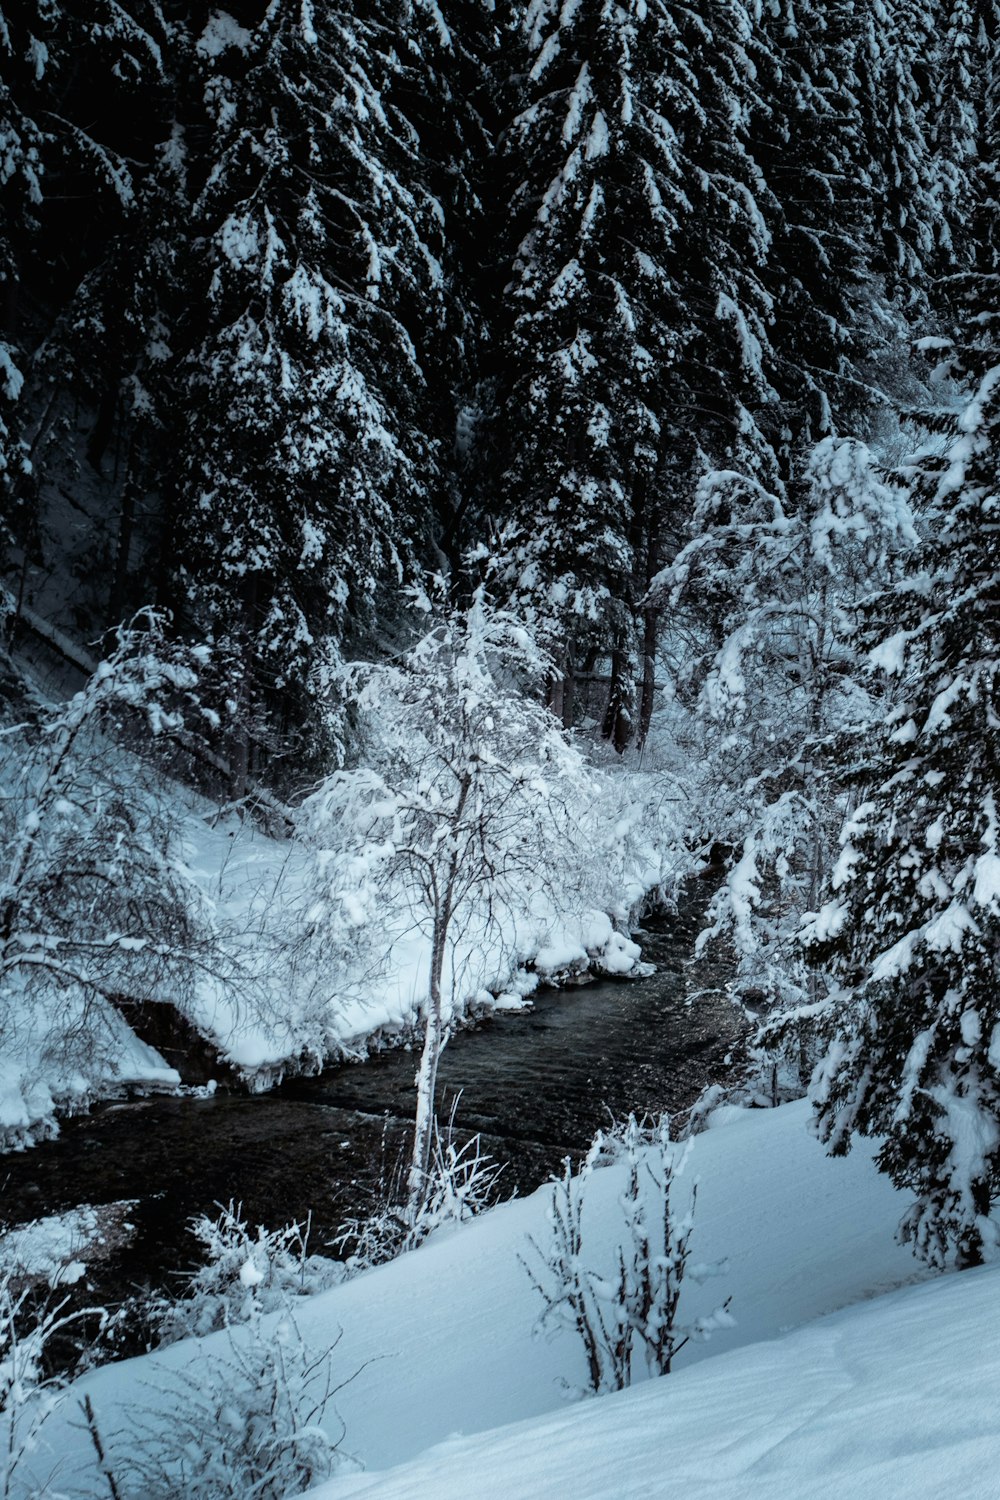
(442, 1338)
(897, 1398)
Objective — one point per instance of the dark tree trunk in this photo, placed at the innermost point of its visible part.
(618, 722)
(100, 436)
(126, 527)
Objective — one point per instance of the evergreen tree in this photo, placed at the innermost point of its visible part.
(305, 458)
(75, 147)
(632, 328)
(24, 58)
(912, 1036)
(457, 105)
(969, 136)
(903, 34)
(810, 142)
(964, 84)
(782, 681)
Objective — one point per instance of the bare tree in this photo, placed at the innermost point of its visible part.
(628, 1320)
(464, 806)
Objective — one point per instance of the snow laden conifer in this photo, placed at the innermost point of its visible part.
(460, 68)
(783, 678)
(813, 103)
(621, 354)
(969, 137)
(71, 158)
(911, 1032)
(963, 103)
(901, 149)
(304, 472)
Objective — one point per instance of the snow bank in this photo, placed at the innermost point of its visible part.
(37, 1082)
(58, 1248)
(899, 1398)
(442, 1338)
(310, 1008)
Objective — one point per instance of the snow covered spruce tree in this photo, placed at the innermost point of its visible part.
(959, 122)
(456, 87)
(813, 104)
(305, 457)
(784, 677)
(622, 354)
(907, 213)
(73, 159)
(20, 191)
(911, 1033)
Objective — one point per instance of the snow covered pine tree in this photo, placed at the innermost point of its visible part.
(623, 356)
(303, 467)
(912, 1036)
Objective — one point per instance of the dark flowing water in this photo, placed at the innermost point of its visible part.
(535, 1084)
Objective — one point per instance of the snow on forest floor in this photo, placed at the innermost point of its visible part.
(442, 1343)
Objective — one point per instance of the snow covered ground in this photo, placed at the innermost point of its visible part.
(442, 1343)
(897, 1398)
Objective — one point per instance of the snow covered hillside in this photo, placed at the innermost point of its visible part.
(893, 1399)
(442, 1344)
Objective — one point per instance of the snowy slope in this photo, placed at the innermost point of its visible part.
(442, 1337)
(896, 1398)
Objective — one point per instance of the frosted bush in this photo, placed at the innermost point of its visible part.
(462, 1182)
(244, 1425)
(29, 1391)
(245, 1272)
(626, 1321)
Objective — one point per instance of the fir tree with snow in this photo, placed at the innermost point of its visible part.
(783, 677)
(910, 1032)
(303, 471)
(622, 354)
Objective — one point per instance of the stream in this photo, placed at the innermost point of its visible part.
(536, 1084)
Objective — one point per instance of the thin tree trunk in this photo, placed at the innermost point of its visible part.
(648, 674)
(618, 722)
(649, 633)
(100, 436)
(569, 688)
(555, 694)
(423, 1133)
(434, 1032)
(245, 701)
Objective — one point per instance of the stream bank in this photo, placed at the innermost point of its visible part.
(535, 1083)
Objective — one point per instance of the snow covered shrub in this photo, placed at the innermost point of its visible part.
(462, 1183)
(244, 1273)
(626, 1321)
(29, 1391)
(246, 1425)
(96, 903)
